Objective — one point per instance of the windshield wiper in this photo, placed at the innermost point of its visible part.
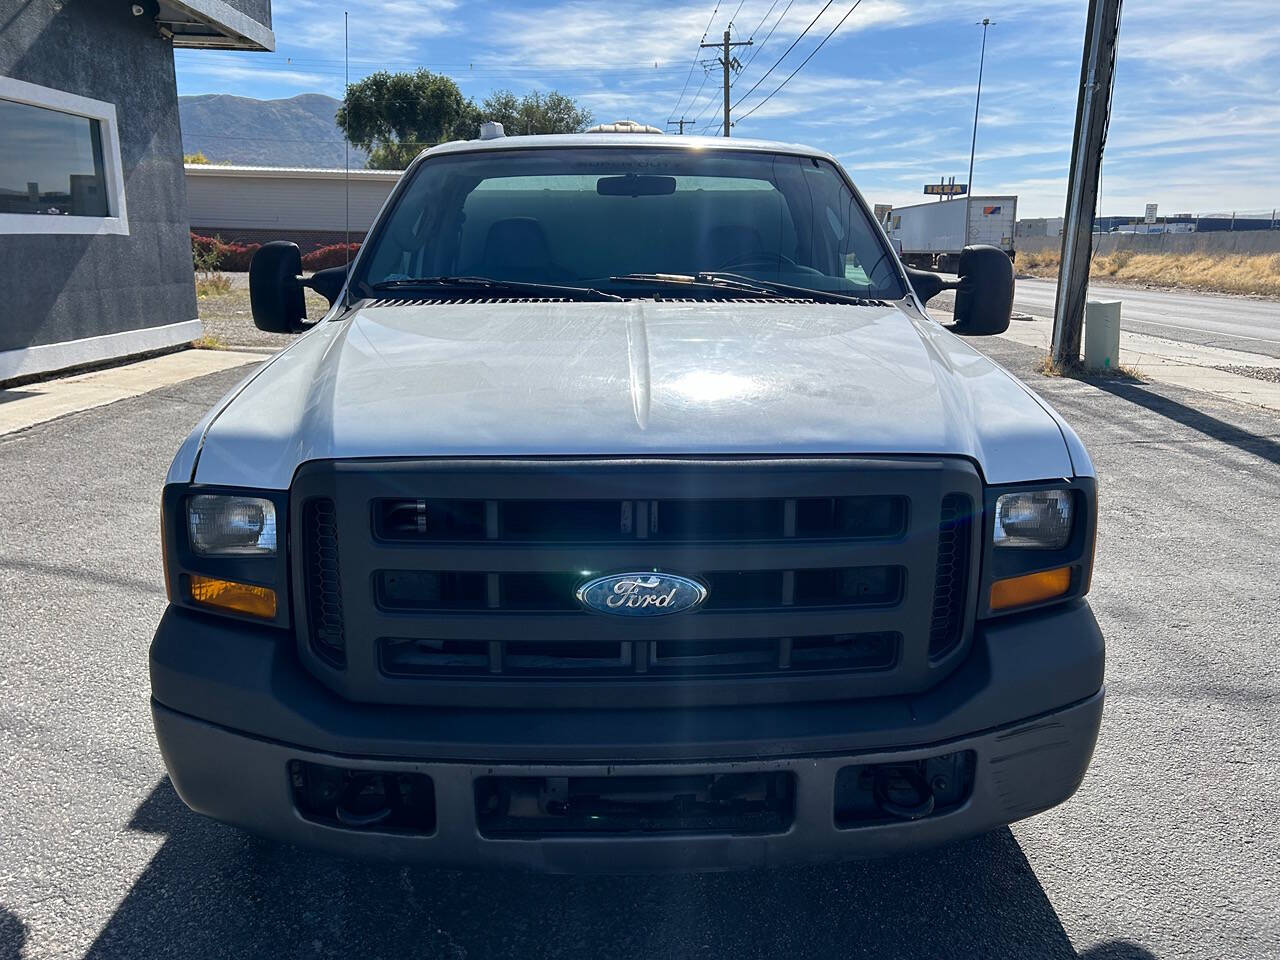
(738, 283)
(489, 285)
(719, 283)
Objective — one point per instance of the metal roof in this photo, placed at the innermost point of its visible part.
(214, 24)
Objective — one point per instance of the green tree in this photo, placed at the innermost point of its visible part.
(535, 113)
(395, 116)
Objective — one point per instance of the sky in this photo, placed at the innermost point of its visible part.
(1195, 122)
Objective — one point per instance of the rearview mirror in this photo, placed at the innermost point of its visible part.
(984, 296)
(633, 185)
(275, 288)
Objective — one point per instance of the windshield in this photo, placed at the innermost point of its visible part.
(587, 216)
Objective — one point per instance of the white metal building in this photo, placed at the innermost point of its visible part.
(307, 205)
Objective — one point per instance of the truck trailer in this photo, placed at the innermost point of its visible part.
(932, 234)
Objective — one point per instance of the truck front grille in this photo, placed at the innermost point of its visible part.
(403, 657)
(827, 579)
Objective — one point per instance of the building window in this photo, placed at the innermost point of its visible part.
(60, 168)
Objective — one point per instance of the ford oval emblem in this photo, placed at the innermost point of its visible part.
(648, 594)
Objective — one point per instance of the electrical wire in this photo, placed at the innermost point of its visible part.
(755, 50)
(697, 55)
(802, 62)
(752, 34)
(784, 55)
(694, 99)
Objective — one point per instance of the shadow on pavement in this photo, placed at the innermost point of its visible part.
(1256, 444)
(214, 891)
(13, 935)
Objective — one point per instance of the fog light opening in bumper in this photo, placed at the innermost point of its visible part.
(871, 794)
(374, 800)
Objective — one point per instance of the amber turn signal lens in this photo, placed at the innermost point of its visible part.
(1032, 588)
(237, 597)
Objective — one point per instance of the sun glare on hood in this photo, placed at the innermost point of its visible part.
(705, 387)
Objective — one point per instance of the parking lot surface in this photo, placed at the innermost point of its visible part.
(1169, 850)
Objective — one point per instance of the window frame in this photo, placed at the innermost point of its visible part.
(48, 98)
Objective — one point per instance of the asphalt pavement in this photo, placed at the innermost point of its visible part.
(1169, 850)
(1217, 320)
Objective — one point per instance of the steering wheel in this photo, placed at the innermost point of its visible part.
(761, 258)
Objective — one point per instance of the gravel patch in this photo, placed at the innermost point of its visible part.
(1270, 374)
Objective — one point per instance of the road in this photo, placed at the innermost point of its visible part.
(1169, 850)
(1235, 323)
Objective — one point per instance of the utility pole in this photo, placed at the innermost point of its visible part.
(973, 144)
(682, 123)
(730, 63)
(1097, 73)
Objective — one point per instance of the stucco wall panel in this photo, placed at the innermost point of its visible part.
(68, 287)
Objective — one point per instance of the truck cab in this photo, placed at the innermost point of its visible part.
(627, 511)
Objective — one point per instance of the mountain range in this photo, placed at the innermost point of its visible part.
(296, 132)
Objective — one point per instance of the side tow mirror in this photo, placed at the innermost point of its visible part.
(328, 283)
(984, 298)
(275, 288)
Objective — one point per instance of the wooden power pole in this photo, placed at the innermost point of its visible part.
(730, 63)
(1097, 73)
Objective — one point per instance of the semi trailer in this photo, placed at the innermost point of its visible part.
(932, 234)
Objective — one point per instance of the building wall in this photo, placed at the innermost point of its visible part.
(242, 206)
(58, 288)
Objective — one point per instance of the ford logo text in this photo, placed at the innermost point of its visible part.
(641, 594)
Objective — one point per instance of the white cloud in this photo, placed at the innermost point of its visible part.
(1196, 119)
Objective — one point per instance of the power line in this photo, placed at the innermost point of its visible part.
(762, 20)
(760, 46)
(710, 102)
(803, 62)
(696, 55)
(778, 62)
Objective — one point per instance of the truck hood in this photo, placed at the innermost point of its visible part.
(636, 378)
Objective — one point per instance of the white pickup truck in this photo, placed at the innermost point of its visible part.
(627, 511)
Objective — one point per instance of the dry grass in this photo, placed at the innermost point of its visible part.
(1051, 368)
(1251, 274)
(212, 285)
(209, 342)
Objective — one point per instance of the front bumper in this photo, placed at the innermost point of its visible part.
(232, 708)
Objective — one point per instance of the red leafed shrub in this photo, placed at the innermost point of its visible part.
(220, 255)
(334, 255)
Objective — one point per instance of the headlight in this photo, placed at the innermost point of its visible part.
(220, 525)
(1036, 520)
